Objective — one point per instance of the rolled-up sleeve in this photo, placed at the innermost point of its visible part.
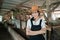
(43, 25)
(29, 24)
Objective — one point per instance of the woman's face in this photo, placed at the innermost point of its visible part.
(35, 15)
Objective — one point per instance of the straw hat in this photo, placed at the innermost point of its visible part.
(35, 8)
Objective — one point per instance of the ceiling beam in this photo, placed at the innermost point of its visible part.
(24, 7)
(1, 2)
(19, 5)
(9, 3)
(24, 2)
(53, 6)
(5, 8)
(54, 3)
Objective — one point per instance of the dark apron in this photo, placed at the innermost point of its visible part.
(36, 28)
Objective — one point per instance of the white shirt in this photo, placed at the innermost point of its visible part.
(1, 18)
(35, 23)
(16, 22)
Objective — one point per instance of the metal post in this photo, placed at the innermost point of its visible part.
(48, 18)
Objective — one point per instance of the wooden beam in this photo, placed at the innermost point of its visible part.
(54, 3)
(24, 7)
(1, 2)
(9, 3)
(19, 5)
(53, 6)
(24, 2)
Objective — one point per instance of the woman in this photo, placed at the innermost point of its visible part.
(36, 27)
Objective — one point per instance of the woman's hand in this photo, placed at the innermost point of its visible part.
(30, 32)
